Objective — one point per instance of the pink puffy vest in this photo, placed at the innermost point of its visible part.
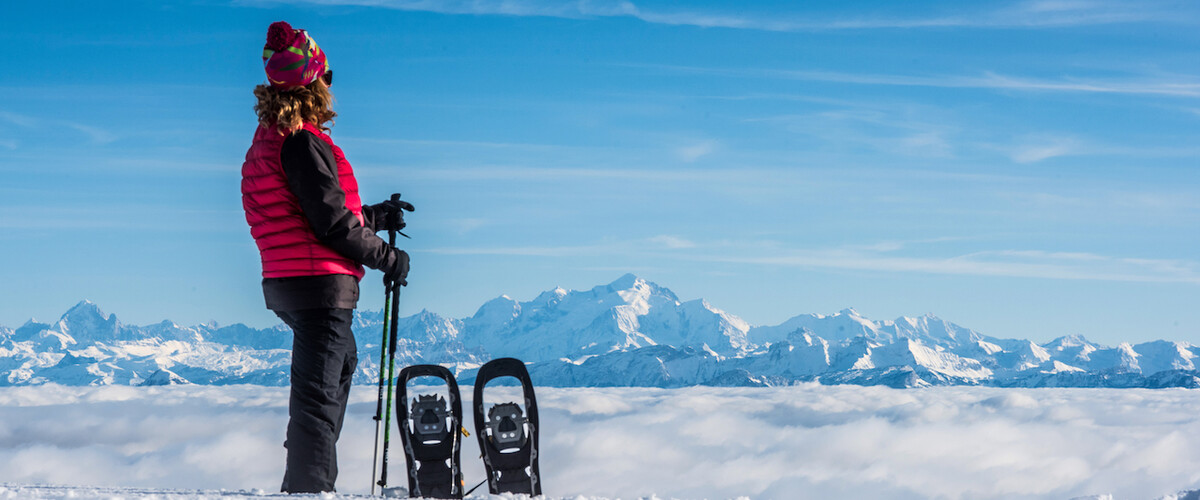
(286, 242)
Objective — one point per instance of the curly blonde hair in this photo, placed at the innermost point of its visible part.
(290, 109)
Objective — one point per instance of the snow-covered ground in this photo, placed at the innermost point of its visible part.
(808, 441)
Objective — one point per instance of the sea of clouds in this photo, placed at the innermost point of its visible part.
(807, 441)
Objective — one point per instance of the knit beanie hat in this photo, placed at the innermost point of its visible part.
(291, 57)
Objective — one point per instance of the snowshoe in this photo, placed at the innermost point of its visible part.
(508, 432)
(431, 430)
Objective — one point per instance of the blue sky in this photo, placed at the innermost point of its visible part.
(1026, 169)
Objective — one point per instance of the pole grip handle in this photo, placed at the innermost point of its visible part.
(392, 232)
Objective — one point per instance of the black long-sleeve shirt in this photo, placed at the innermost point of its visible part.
(311, 171)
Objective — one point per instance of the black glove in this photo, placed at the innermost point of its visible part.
(389, 215)
(398, 274)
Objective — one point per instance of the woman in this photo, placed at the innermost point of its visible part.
(314, 235)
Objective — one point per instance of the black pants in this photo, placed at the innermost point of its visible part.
(324, 358)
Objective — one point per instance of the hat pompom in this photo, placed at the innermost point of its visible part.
(279, 35)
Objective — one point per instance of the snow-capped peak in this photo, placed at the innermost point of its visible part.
(85, 310)
(501, 309)
(625, 282)
(627, 313)
(85, 323)
(1071, 340)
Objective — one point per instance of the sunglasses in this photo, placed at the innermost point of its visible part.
(328, 77)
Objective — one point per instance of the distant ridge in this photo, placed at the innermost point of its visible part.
(630, 332)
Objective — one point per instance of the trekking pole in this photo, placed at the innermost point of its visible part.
(379, 406)
(394, 296)
(387, 419)
(383, 345)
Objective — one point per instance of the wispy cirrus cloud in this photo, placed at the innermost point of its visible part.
(624, 247)
(1003, 263)
(1029, 14)
(519, 146)
(468, 224)
(1033, 151)
(18, 119)
(673, 242)
(696, 151)
(1029, 149)
(882, 257)
(1169, 85)
(527, 251)
(95, 135)
(625, 173)
(897, 130)
(663, 243)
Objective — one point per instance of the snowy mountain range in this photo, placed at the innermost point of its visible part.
(630, 332)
